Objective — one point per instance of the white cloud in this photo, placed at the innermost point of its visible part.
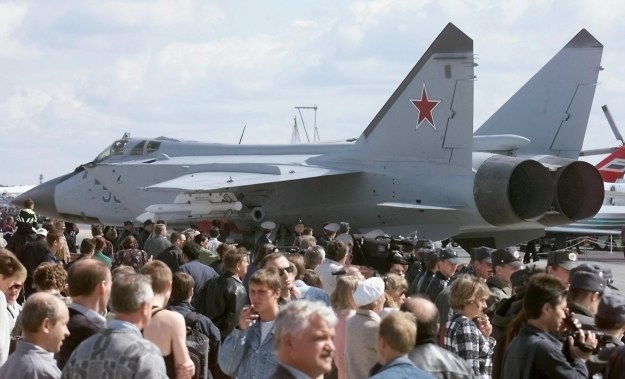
(11, 18)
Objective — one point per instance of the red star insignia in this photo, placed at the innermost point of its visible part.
(425, 107)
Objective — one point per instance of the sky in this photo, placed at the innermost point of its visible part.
(75, 76)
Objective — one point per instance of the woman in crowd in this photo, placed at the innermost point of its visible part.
(344, 307)
(130, 254)
(468, 331)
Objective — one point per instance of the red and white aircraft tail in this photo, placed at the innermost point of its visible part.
(612, 167)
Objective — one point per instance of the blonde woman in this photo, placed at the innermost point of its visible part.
(344, 307)
(468, 331)
(395, 287)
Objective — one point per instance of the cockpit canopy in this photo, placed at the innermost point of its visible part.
(128, 147)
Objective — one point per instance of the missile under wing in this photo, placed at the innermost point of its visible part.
(412, 169)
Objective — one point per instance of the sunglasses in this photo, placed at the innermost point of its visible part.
(289, 269)
(16, 287)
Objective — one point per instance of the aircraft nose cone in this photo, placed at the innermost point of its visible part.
(43, 196)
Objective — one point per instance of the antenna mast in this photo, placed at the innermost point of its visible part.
(315, 130)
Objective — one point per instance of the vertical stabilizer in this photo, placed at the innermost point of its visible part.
(612, 167)
(430, 114)
(553, 107)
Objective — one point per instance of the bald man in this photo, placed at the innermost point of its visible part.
(44, 327)
(426, 354)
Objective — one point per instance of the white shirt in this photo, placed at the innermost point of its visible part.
(325, 270)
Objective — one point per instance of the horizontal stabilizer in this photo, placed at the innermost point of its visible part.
(499, 143)
(213, 181)
(416, 206)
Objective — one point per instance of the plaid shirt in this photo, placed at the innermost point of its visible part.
(463, 338)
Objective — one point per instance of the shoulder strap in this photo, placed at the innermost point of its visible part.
(156, 310)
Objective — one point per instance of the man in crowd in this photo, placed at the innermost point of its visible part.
(172, 256)
(585, 292)
(146, 233)
(610, 319)
(397, 335)
(158, 242)
(427, 354)
(505, 262)
(560, 263)
(329, 232)
(535, 348)
(129, 230)
(304, 340)
(448, 261)
(200, 272)
(335, 259)
(287, 272)
(44, 327)
(127, 354)
(89, 283)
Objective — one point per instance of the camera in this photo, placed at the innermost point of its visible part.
(381, 251)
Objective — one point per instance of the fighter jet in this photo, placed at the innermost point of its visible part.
(413, 170)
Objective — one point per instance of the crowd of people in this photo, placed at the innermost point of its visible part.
(152, 303)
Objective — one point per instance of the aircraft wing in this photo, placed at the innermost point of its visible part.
(262, 174)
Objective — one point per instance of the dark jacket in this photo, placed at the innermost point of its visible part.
(424, 281)
(200, 273)
(541, 353)
(80, 328)
(222, 300)
(436, 286)
(282, 373)
(172, 257)
(584, 315)
(440, 363)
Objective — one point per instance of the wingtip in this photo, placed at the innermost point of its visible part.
(583, 39)
(452, 40)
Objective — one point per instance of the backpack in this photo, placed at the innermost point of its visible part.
(198, 345)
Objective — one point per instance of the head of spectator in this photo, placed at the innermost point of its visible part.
(55, 239)
(610, 316)
(342, 298)
(213, 232)
(421, 244)
(468, 295)
(482, 261)
(285, 268)
(369, 295)
(398, 269)
(330, 229)
(97, 230)
(190, 251)
(397, 336)
(560, 263)
(448, 262)
(131, 299)
(545, 302)
(236, 261)
(129, 226)
(265, 249)
(395, 287)
(44, 321)
(304, 337)
(202, 240)
(87, 248)
(130, 242)
(100, 243)
(89, 284)
(177, 239)
(50, 277)
(182, 287)
(41, 234)
(122, 270)
(298, 261)
(264, 291)
(223, 248)
(506, 262)
(267, 227)
(430, 259)
(313, 256)
(160, 230)
(161, 278)
(298, 227)
(148, 226)
(308, 231)
(427, 317)
(189, 234)
(337, 251)
(12, 273)
(586, 289)
(311, 278)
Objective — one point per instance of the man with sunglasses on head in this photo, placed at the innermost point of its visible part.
(287, 273)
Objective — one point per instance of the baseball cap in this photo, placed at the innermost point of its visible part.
(509, 255)
(612, 307)
(368, 291)
(447, 254)
(42, 232)
(567, 259)
(482, 253)
(588, 281)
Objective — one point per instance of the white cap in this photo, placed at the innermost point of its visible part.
(369, 291)
(332, 227)
(42, 232)
(268, 225)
